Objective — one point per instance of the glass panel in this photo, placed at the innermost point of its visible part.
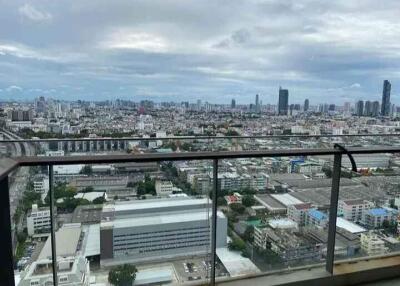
(151, 219)
(29, 192)
(277, 210)
(368, 209)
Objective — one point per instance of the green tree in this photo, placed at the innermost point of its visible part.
(87, 170)
(248, 201)
(148, 186)
(99, 200)
(122, 275)
(237, 244)
(248, 234)
(221, 201)
(237, 208)
(88, 190)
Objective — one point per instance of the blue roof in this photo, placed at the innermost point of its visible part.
(378, 212)
(317, 214)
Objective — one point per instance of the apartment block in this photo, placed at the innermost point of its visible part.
(38, 220)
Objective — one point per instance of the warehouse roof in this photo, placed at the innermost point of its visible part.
(286, 199)
(161, 218)
(235, 263)
(349, 226)
(67, 239)
(156, 203)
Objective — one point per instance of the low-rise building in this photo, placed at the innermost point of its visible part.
(353, 210)
(236, 198)
(375, 218)
(372, 244)
(316, 218)
(166, 187)
(291, 246)
(38, 220)
(298, 213)
(71, 271)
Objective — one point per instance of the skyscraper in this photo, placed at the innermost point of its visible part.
(375, 108)
(258, 107)
(306, 105)
(233, 104)
(368, 108)
(385, 107)
(283, 101)
(360, 108)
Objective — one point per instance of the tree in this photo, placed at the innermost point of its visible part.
(99, 200)
(221, 201)
(248, 191)
(248, 201)
(237, 244)
(237, 208)
(88, 190)
(248, 234)
(148, 186)
(122, 275)
(87, 170)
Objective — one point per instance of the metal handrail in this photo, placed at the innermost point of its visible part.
(191, 156)
(8, 165)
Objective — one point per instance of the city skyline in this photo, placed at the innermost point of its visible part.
(134, 51)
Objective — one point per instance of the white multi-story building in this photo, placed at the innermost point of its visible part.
(307, 168)
(372, 244)
(374, 218)
(71, 271)
(166, 187)
(353, 210)
(298, 213)
(72, 266)
(38, 220)
(147, 230)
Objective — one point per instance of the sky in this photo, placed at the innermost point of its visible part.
(212, 50)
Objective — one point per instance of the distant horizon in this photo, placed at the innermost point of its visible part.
(181, 101)
(208, 50)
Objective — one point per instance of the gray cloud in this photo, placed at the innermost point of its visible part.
(30, 12)
(212, 50)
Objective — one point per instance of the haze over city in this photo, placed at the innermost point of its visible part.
(208, 50)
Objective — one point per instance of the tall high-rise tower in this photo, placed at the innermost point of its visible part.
(360, 108)
(283, 101)
(385, 107)
(233, 104)
(258, 107)
(306, 105)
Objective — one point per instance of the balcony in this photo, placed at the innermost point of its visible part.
(320, 263)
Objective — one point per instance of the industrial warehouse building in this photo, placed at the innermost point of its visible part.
(151, 230)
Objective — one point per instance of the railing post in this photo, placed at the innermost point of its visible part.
(6, 249)
(214, 221)
(53, 235)
(330, 255)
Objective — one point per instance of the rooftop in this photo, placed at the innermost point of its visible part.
(317, 214)
(378, 212)
(67, 238)
(160, 218)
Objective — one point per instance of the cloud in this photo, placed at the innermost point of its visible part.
(202, 49)
(355, 85)
(126, 39)
(14, 88)
(31, 13)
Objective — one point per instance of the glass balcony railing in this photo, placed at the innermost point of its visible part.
(215, 212)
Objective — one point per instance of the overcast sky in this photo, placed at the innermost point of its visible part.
(327, 51)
